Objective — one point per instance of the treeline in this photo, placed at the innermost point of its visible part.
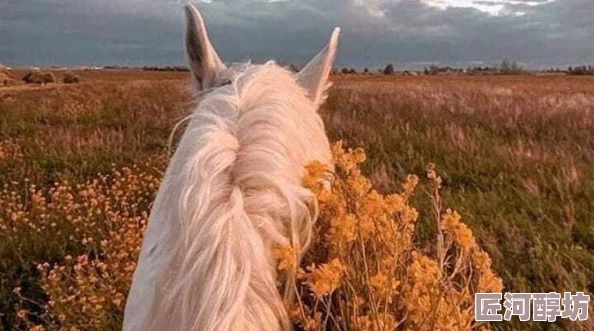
(388, 70)
(581, 70)
(507, 67)
(148, 68)
(167, 68)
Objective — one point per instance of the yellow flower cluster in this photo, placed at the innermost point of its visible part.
(107, 218)
(324, 279)
(450, 224)
(10, 151)
(287, 257)
(370, 275)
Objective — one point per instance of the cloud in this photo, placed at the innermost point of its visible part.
(405, 32)
(492, 7)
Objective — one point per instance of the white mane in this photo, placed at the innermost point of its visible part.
(232, 192)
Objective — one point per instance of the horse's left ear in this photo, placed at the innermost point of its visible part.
(314, 76)
(203, 59)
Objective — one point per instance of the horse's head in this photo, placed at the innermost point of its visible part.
(210, 73)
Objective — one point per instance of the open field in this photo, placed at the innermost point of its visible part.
(516, 154)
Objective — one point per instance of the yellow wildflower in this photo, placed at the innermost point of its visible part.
(343, 229)
(286, 256)
(324, 279)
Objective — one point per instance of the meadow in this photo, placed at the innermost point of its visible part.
(80, 164)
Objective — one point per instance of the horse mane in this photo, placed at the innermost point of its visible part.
(231, 193)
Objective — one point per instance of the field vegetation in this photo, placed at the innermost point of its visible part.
(80, 164)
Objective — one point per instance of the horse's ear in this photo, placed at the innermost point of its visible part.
(203, 59)
(314, 76)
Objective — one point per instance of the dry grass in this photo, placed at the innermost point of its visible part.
(516, 154)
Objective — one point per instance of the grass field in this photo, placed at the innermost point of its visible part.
(516, 154)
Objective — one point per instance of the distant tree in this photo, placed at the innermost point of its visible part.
(345, 70)
(515, 67)
(510, 67)
(389, 69)
(352, 71)
(505, 66)
(366, 70)
(433, 70)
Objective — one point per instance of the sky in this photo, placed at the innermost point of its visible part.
(408, 33)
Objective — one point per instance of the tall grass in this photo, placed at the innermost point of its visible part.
(516, 155)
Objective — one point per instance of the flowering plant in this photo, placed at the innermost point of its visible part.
(364, 271)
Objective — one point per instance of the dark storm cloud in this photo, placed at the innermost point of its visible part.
(136, 32)
(69, 32)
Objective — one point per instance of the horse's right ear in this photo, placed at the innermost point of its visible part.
(314, 76)
(203, 59)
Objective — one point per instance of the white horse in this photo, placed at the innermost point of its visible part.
(232, 192)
